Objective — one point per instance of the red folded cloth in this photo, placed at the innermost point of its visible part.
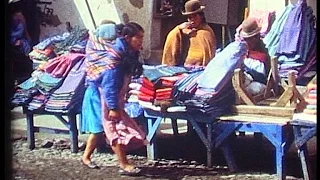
(145, 97)
(147, 91)
(167, 93)
(170, 80)
(167, 89)
(163, 98)
(147, 83)
(165, 83)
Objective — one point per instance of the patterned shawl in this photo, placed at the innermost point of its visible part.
(103, 54)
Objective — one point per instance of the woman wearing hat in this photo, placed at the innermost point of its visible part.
(192, 43)
(257, 62)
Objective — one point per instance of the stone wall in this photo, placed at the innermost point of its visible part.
(141, 11)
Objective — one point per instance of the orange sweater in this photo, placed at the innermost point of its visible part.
(196, 49)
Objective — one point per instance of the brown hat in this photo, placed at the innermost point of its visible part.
(192, 7)
(249, 28)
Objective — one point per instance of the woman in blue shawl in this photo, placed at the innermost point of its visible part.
(111, 62)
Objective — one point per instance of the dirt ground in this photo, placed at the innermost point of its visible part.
(253, 164)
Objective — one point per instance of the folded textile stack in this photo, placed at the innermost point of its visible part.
(70, 94)
(132, 106)
(165, 87)
(310, 112)
(311, 99)
(147, 91)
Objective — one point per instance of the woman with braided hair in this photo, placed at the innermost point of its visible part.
(110, 65)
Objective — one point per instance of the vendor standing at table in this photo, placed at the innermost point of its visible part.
(191, 43)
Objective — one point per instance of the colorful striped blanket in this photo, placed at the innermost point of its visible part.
(101, 55)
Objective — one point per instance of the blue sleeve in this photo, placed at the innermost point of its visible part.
(18, 32)
(111, 84)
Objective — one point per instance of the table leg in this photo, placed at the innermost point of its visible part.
(153, 125)
(209, 147)
(73, 132)
(30, 130)
(281, 139)
(303, 154)
(301, 140)
(279, 163)
(174, 125)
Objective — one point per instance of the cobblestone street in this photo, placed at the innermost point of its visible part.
(60, 163)
(180, 158)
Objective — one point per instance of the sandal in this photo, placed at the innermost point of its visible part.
(91, 165)
(133, 172)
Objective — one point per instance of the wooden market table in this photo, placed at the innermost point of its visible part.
(70, 123)
(154, 119)
(277, 130)
(303, 130)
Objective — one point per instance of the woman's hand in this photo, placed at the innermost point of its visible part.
(186, 28)
(184, 25)
(114, 115)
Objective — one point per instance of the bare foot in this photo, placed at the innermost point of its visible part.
(127, 167)
(86, 160)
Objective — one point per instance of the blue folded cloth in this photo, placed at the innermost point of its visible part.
(220, 68)
(106, 31)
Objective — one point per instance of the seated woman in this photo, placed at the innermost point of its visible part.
(191, 43)
(257, 61)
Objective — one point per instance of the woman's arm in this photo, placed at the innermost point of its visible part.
(111, 83)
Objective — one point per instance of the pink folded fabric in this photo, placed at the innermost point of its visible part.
(264, 18)
(311, 101)
(312, 96)
(61, 65)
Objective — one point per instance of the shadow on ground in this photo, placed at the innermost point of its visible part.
(250, 155)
